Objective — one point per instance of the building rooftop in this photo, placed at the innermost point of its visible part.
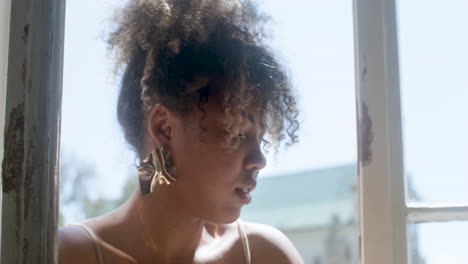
(304, 200)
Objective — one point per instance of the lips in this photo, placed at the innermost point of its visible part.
(243, 195)
(243, 192)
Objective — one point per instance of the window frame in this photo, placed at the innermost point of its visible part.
(32, 131)
(384, 212)
(4, 35)
(384, 209)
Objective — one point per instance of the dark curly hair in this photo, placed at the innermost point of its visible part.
(164, 46)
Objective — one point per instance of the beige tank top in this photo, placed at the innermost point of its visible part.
(240, 228)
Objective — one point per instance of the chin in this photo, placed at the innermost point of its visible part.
(224, 218)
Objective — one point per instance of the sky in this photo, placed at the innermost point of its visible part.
(315, 39)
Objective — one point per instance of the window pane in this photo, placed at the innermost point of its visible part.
(434, 92)
(309, 190)
(96, 161)
(438, 243)
(315, 40)
(316, 209)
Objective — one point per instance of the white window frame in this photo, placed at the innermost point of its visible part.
(384, 211)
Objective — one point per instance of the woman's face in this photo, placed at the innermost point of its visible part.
(213, 183)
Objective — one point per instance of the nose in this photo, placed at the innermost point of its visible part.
(255, 160)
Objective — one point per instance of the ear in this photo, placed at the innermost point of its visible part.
(160, 125)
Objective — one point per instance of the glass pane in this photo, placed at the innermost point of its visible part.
(309, 190)
(316, 209)
(95, 160)
(315, 188)
(438, 243)
(434, 95)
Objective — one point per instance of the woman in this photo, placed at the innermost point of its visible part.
(201, 96)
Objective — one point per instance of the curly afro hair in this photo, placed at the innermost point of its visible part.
(164, 46)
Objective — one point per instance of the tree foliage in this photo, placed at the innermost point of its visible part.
(79, 194)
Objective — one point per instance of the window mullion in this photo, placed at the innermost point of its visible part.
(420, 213)
(382, 202)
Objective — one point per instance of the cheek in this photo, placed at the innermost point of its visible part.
(192, 158)
(204, 171)
(200, 151)
(202, 163)
(206, 176)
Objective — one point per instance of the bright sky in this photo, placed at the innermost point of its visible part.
(315, 39)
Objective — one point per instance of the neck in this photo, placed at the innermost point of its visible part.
(163, 230)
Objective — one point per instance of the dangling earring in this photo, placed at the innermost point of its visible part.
(152, 171)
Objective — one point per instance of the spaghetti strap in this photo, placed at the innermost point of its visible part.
(96, 241)
(240, 228)
(245, 241)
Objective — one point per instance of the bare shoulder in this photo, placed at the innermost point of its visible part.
(269, 245)
(75, 246)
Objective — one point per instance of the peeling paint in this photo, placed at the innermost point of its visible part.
(31, 169)
(364, 73)
(12, 166)
(366, 136)
(24, 70)
(29, 87)
(25, 33)
(25, 247)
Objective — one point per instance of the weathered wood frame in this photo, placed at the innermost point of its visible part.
(4, 41)
(31, 135)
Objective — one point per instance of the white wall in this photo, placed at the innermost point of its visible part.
(311, 243)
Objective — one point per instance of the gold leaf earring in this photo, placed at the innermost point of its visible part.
(152, 171)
